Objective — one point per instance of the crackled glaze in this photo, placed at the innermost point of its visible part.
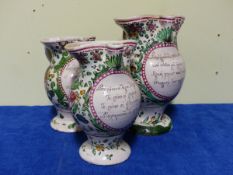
(58, 79)
(105, 99)
(157, 67)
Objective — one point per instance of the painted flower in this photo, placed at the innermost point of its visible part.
(133, 68)
(82, 92)
(153, 120)
(176, 25)
(99, 147)
(133, 34)
(73, 96)
(96, 56)
(151, 27)
(128, 51)
(83, 61)
(109, 156)
(49, 76)
(82, 58)
(134, 31)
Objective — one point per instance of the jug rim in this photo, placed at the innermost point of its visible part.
(146, 17)
(108, 44)
(58, 39)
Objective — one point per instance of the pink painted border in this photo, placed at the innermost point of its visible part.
(156, 94)
(91, 94)
(95, 47)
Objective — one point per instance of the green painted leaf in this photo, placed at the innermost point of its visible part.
(149, 95)
(93, 121)
(65, 58)
(88, 73)
(115, 62)
(90, 83)
(70, 126)
(165, 35)
(74, 85)
(109, 156)
(94, 152)
(74, 108)
(52, 85)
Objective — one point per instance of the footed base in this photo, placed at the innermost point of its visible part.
(64, 124)
(161, 127)
(100, 154)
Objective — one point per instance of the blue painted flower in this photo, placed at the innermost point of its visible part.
(81, 118)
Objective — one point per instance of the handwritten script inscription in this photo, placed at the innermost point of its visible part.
(165, 71)
(116, 100)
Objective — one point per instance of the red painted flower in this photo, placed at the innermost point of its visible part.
(133, 34)
(128, 51)
(134, 31)
(73, 96)
(96, 56)
(151, 27)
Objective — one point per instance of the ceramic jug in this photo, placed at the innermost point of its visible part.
(106, 99)
(58, 78)
(157, 67)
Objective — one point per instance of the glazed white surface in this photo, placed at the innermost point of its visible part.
(68, 75)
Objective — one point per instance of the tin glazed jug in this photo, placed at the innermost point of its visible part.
(106, 99)
(157, 67)
(58, 79)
